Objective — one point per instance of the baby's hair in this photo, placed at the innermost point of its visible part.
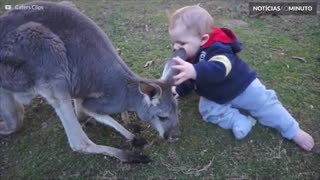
(194, 18)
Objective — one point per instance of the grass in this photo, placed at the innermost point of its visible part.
(204, 151)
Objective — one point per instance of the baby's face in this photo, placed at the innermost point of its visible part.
(184, 38)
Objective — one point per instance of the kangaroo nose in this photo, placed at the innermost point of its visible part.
(172, 135)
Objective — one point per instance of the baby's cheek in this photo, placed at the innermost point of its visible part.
(188, 50)
(191, 52)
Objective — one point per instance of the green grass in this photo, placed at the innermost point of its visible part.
(204, 151)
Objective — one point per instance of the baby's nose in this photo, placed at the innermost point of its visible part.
(176, 46)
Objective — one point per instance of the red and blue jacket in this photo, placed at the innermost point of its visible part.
(221, 74)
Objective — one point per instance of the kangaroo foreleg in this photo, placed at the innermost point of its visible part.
(78, 140)
(107, 120)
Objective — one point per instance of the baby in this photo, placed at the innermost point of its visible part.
(225, 82)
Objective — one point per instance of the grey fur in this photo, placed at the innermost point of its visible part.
(60, 54)
(169, 72)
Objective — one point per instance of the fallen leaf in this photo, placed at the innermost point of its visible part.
(148, 63)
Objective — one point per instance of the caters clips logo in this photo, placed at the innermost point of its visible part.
(23, 7)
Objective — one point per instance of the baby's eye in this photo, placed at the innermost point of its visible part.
(181, 43)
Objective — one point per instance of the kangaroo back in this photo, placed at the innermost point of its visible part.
(87, 49)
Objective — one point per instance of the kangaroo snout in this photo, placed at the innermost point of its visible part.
(172, 134)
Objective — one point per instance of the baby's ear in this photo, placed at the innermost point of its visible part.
(204, 39)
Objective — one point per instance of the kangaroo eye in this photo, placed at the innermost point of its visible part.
(163, 118)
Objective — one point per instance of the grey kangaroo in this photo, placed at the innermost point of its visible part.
(60, 54)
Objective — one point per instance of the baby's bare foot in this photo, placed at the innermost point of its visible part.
(304, 140)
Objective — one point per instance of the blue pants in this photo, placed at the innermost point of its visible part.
(262, 103)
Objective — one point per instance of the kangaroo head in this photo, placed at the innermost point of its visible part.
(159, 105)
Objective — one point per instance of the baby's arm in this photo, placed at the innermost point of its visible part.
(213, 70)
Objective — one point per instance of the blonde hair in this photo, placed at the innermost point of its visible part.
(194, 18)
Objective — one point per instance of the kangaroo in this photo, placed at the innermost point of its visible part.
(62, 55)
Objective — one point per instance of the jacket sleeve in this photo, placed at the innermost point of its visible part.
(215, 68)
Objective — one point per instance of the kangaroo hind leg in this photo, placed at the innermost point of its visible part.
(11, 113)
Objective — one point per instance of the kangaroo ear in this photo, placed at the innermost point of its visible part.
(151, 91)
(168, 72)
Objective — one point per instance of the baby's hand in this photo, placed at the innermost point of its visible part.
(174, 92)
(186, 71)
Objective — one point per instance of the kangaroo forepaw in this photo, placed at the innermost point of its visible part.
(133, 157)
(139, 142)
